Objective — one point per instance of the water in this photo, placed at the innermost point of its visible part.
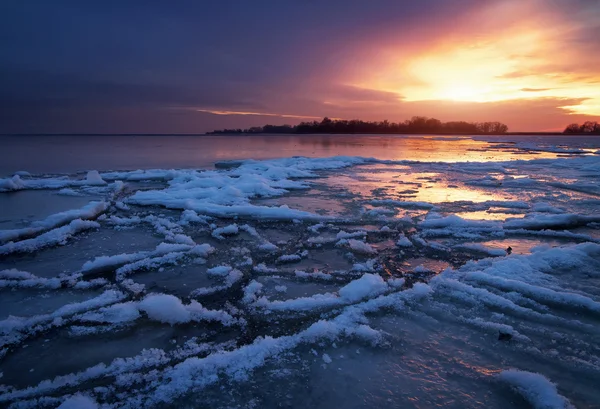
(323, 282)
(67, 154)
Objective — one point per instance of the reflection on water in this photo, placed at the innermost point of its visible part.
(487, 215)
(523, 245)
(402, 184)
(71, 153)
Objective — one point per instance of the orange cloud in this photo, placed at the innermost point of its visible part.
(221, 112)
(513, 49)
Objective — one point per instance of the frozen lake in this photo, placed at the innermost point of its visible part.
(300, 271)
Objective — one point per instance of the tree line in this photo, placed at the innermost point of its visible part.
(587, 127)
(417, 124)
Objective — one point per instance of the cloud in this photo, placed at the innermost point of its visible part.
(66, 64)
(245, 113)
(535, 89)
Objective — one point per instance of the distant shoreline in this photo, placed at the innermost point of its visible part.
(296, 134)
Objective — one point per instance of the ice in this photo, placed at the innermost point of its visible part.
(270, 247)
(17, 183)
(90, 211)
(482, 249)
(403, 241)
(115, 314)
(407, 287)
(405, 204)
(225, 231)
(14, 329)
(369, 285)
(170, 310)
(538, 221)
(289, 258)
(220, 271)
(164, 252)
(536, 388)
(79, 402)
(22, 279)
(14, 183)
(361, 247)
(58, 236)
(94, 178)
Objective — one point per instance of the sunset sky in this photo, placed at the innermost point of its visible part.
(193, 66)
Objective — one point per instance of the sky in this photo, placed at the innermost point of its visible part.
(155, 66)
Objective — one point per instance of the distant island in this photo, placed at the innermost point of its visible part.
(415, 125)
(588, 127)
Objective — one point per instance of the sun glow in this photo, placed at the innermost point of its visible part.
(461, 92)
(521, 62)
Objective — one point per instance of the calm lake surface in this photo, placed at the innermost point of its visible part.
(72, 153)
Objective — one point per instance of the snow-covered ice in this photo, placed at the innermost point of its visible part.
(364, 282)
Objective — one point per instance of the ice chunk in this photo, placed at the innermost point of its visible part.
(90, 211)
(289, 258)
(536, 388)
(361, 247)
(53, 237)
(550, 221)
(79, 402)
(403, 241)
(268, 246)
(94, 178)
(116, 313)
(14, 183)
(165, 308)
(225, 231)
(221, 271)
(369, 285)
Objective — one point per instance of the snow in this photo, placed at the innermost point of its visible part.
(263, 268)
(361, 247)
(289, 258)
(116, 313)
(165, 308)
(369, 285)
(94, 178)
(536, 389)
(55, 237)
(14, 329)
(164, 253)
(319, 275)
(14, 183)
(546, 301)
(90, 211)
(221, 271)
(538, 221)
(13, 278)
(79, 402)
(435, 221)
(269, 247)
(220, 232)
(403, 241)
